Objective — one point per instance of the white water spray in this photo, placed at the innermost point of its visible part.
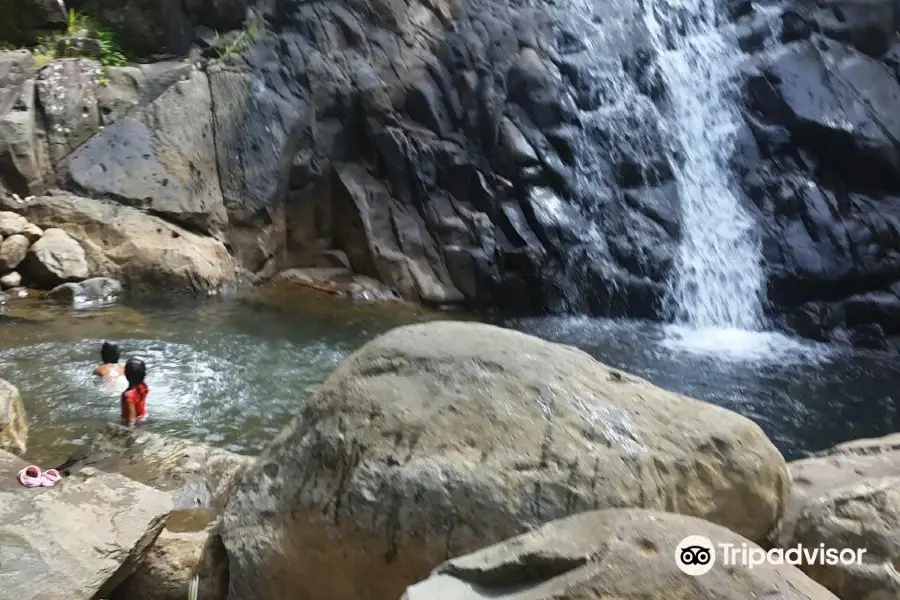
(718, 275)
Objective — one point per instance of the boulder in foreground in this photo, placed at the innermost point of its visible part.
(615, 553)
(849, 497)
(77, 540)
(435, 440)
(199, 479)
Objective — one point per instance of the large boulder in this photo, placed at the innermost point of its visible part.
(13, 419)
(77, 540)
(160, 158)
(434, 440)
(615, 553)
(54, 259)
(146, 253)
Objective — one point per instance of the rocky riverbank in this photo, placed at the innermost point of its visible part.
(460, 460)
(451, 153)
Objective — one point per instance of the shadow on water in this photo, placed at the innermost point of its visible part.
(232, 371)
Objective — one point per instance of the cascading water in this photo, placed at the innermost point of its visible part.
(718, 275)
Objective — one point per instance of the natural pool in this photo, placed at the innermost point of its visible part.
(232, 371)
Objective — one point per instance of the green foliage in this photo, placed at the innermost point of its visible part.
(111, 54)
(45, 51)
(241, 43)
(79, 25)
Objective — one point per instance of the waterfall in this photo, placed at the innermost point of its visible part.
(718, 275)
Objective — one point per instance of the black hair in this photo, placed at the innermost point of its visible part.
(135, 371)
(109, 352)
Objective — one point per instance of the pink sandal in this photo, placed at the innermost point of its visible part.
(50, 478)
(31, 476)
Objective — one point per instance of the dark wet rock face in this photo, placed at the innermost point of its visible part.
(826, 179)
(447, 165)
(483, 152)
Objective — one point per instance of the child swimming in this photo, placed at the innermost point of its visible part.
(134, 398)
(110, 367)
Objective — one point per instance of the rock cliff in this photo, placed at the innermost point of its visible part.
(480, 152)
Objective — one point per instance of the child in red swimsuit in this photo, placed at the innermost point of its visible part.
(134, 399)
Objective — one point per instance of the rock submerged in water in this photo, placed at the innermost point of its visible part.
(434, 440)
(615, 553)
(94, 290)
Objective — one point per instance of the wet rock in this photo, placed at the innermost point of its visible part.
(54, 259)
(863, 516)
(449, 436)
(17, 292)
(12, 252)
(161, 158)
(145, 27)
(11, 281)
(365, 227)
(66, 91)
(339, 281)
(616, 553)
(147, 254)
(78, 558)
(24, 19)
(13, 420)
(89, 291)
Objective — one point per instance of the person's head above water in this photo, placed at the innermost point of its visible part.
(135, 371)
(109, 352)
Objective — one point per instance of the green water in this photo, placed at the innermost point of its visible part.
(229, 372)
(232, 371)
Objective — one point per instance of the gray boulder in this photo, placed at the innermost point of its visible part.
(55, 258)
(77, 540)
(615, 553)
(434, 440)
(159, 158)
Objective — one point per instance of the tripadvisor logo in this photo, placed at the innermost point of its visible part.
(696, 555)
